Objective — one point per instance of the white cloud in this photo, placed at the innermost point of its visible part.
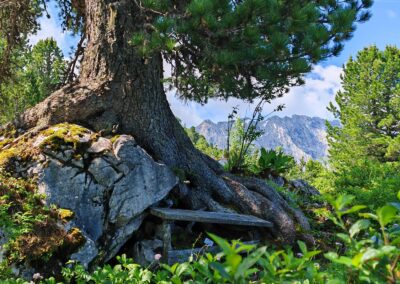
(311, 99)
(51, 27)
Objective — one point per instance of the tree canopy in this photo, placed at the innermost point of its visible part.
(246, 49)
(241, 48)
(36, 72)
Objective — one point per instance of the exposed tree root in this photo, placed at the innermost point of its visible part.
(210, 187)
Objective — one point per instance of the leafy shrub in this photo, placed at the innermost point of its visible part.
(241, 153)
(200, 142)
(371, 182)
(237, 263)
(316, 173)
(372, 243)
(272, 162)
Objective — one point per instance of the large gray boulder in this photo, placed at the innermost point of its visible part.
(108, 186)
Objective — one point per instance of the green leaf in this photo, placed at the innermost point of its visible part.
(354, 209)
(220, 268)
(182, 268)
(372, 253)
(223, 244)
(359, 226)
(386, 214)
(342, 201)
(249, 261)
(357, 259)
(245, 247)
(233, 260)
(344, 237)
(302, 247)
(334, 257)
(331, 255)
(174, 267)
(311, 254)
(369, 254)
(176, 280)
(369, 216)
(335, 281)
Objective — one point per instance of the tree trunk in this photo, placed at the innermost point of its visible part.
(117, 87)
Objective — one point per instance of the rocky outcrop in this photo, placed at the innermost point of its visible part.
(301, 136)
(107, 183)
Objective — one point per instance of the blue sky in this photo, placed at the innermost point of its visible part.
(311, 99)
(382, 29)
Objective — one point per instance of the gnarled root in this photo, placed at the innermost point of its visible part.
(226, 192)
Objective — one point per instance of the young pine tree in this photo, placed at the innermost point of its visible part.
(368, 108)
(365, 151)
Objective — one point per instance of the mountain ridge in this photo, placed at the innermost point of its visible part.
(301, 136)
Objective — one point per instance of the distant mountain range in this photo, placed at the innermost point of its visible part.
(300, 136)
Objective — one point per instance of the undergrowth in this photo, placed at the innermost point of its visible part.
(368, 251)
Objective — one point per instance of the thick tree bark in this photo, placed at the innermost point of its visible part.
(117, 87)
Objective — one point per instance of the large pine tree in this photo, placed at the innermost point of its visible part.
(217, 49)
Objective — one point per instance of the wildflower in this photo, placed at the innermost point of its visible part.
(37, 277)
(208, 242)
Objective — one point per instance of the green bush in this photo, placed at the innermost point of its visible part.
(237, 263)
(272, 162)
(372, 243)
(200, 142)
(316, 173)
(371, 182)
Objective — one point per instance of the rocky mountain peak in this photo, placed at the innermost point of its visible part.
(301, 136)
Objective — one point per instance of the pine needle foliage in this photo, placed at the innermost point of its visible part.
(247, 48)
(218, 49)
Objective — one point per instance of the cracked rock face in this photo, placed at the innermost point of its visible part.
(108, 188)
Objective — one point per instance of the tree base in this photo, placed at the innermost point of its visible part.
(156, 129)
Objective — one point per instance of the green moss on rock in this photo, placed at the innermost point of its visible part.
(114, 138)
(65, 214)
(35, 232)
(66, 134)
(54, 137)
